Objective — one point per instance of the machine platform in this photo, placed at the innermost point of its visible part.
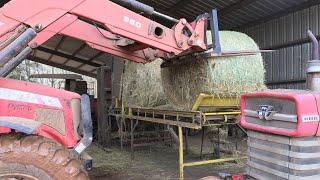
(207, 111)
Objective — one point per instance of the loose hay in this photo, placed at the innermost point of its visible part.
(221, 77)
(142, 85)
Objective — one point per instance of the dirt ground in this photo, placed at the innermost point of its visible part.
(158, 162)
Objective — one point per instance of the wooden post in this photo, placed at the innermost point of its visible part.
(104, 81)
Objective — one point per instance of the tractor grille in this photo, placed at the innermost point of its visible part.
(285, 117)
(280, 157)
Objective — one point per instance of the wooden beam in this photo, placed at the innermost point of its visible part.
(104, 80)
(57, 53)
(237, 5)
(57, 65)
(298, 7)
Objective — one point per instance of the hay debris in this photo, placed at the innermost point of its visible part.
(221, 77)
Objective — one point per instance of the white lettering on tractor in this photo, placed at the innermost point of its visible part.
(28, 97)
(310, 118)
(132, 22)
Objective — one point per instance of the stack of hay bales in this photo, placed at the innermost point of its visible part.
(142, 85)
(150, 86)
(219, 76)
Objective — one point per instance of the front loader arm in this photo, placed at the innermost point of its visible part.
(104, 26)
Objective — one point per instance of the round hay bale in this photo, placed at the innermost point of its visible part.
(220, 76)
(142, 85)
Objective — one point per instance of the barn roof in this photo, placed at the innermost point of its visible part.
(74, 55)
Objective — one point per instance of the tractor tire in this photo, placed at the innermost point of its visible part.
(34, 157)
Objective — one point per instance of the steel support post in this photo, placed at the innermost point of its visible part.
(131, 140)
(181, 166)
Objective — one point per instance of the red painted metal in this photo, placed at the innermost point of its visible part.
(88, 33)
(64, 97)
(54, 28)
(307, 103)
(78, 19)
(239, 177)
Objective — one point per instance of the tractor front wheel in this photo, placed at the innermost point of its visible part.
(33, 157)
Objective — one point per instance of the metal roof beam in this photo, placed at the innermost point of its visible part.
(298, 7)
(237, 5)
(57, 53)
(57, 76)
(57, 65)
(178, 5)
(91, 59)
(63, 38)
(76, 51)
(3, 2)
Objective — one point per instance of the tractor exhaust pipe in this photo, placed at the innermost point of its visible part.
(313, 66)
(85, 124)
(16, 46)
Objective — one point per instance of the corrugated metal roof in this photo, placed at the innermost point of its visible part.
(74, 55)
(241, 12)
(71, 54)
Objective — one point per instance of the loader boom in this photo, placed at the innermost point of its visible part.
(105, 26)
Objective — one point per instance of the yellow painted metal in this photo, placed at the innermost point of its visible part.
(181, 170)
(225, 118)
(205, 100)
(130, 112)
(197, 163)
(122, 108)
(222, 113)
(116, 102)
(213, 161)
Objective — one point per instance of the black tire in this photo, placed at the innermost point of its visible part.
(34, 157)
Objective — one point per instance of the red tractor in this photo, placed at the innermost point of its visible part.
(41, 134)
(44, 130)
(283, 128)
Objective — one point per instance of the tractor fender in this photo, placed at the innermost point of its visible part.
(27, 126)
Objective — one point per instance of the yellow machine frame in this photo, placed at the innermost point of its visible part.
(225, 107)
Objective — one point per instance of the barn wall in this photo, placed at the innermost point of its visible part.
(285, 68)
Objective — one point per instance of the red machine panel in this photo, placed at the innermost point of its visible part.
(292, 113)
(37, 109)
